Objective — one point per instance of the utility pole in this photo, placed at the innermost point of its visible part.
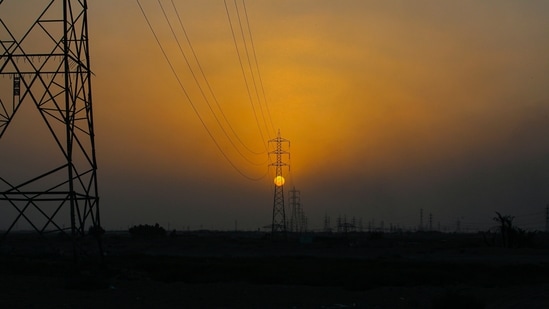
(51, 183)
(327, 227)
(430, 222)
(421, 219)
(304, 221)
(295, 210)
(279, 215)
(547, 218)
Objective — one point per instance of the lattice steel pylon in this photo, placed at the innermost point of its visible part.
(547, 218)
(295, 208)
(48, 179)
(279, 215)
(298, 221)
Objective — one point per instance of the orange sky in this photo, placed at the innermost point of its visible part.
(389, 106)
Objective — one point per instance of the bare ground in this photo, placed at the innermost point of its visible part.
(222, 270)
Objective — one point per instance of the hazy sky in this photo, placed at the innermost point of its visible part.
(390, 106)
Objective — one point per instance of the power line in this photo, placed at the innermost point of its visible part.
(243, 72)
(257, 66)
(250, 64)
(242, 66)
(530, 214)
(191, 102)
(208, 84)
(201, 90)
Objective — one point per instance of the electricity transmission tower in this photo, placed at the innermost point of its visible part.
(547, 218)
(327, 226)
(279, 215)
(48, 180)
(294, 202)
(421, 219)
(298, 221)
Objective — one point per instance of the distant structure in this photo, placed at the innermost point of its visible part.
(48, 180)
(294, 209)
(547, 218)
(298, 221)
(278, 226)
(430, 222)
(327, 226)
(421, 219)
(344, 226)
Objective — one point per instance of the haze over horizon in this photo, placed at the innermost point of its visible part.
(390, 107)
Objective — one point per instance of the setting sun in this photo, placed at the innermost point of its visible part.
(279, 181)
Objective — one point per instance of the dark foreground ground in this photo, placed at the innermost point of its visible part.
(248, 270)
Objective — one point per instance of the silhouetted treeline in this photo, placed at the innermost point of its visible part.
(147, 231)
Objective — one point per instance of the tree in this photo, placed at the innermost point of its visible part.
(147, 231)
(512, 236)
(506, 228)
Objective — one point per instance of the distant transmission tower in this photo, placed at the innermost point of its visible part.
(279, 216)
(298, 220)
(48, 179)
(327, 226)
(547, 218)
(421, 219)
(295, 210)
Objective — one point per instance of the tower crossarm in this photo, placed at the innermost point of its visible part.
(279, 139)
(279, 164)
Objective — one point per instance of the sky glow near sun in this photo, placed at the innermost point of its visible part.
(389, 107)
